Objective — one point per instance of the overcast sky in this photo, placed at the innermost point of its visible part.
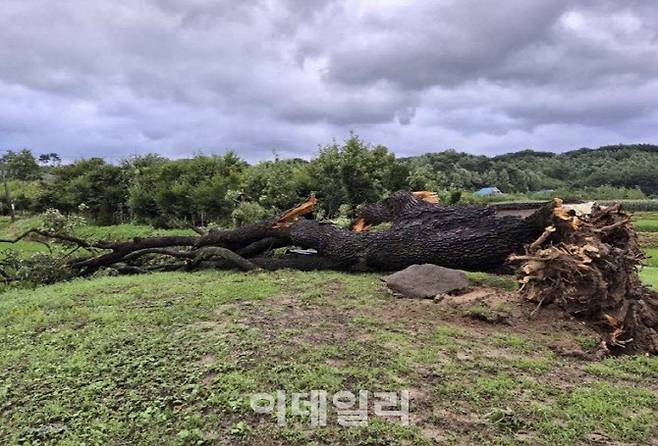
(118, 77)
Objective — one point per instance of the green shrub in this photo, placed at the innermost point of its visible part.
(249, 212)
(38, 269)
(455, 197)
(54, 221)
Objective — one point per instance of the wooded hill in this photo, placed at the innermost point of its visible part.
(621, 166)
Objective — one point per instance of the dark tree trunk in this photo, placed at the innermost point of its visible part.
(470, 238)
(482, 246)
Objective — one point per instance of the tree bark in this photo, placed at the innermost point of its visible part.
(470, 238)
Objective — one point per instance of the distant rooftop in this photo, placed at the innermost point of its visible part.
(490, 190)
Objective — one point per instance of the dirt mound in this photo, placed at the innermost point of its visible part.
(503, 308)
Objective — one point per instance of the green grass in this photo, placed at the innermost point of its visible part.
(646, 225)
(624, 368)
(646, 221)
(9, 230)
(170, 358)
(649, 276)
(649, 273)
(652, 256)
(492, 280)
(598, 407)
(21, 224)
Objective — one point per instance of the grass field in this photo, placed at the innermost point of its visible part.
(646, 225)
(11, 230)
(649, 276)
(170, 358)
(646, 221)
(650, 273)
(126, 231)
(652, 256)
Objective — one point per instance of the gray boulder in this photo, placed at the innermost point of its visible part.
(425, 281)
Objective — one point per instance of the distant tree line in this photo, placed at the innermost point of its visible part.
(225, 189)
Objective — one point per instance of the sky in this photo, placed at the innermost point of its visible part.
(114, 78)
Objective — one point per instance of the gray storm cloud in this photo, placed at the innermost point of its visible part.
(115, 78)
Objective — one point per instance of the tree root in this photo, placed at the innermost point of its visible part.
(588, 264)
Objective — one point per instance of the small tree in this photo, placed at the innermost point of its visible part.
(355, 173)
(21, 165)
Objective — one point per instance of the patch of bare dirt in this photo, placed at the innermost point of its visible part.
(208, 379)
(208, 359)
(422, 315)
(316, 323)
(210, 327)
(456, 422)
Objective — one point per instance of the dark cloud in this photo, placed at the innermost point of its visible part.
(439, 43)
(113, 78)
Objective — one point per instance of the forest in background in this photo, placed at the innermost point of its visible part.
(226, 190)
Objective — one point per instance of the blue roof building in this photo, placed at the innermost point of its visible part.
(485, 191)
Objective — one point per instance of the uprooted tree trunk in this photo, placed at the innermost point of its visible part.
(588, 265)
(587, 262)
(420, 231)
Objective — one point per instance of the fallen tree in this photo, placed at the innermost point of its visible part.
(420, 231)
(587, 263)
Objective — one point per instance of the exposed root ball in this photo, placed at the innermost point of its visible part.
(587, 262)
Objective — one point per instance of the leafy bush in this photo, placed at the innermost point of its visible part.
(343, 219)
(355, 173)
(279, 184)
(249, 212)
(54, 221)
(163, 192)
(455, 197)
(38, 269)
(102, 186)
